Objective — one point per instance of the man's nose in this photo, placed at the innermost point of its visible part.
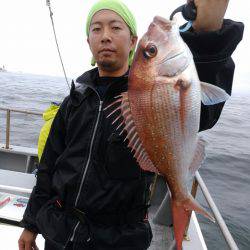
(106, 36)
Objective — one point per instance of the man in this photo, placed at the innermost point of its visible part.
(90, 192)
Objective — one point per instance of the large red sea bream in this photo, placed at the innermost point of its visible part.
(161, 114)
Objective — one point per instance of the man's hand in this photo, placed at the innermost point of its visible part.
(210, 14)
(27, 241)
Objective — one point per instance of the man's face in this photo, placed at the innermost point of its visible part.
(110, 40)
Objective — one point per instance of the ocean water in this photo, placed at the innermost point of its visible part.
(226, 170)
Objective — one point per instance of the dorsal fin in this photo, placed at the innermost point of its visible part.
(134, 141)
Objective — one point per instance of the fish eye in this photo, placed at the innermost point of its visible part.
(150, 51)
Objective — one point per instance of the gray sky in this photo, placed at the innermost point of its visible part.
(27, 42)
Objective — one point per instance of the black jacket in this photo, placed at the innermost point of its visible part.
(86, 164)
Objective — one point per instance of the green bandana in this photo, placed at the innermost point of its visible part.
(122, 10)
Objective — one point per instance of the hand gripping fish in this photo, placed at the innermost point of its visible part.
(160, 113)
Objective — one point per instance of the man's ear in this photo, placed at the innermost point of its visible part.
(89, 44)
(133, 41)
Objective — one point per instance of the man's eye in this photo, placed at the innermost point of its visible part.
(116, 28)
(96, 29)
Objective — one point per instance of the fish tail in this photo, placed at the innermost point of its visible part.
(181, 213)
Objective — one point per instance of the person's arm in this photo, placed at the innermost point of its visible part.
(42, 191)
(210, 14)
(212, 41)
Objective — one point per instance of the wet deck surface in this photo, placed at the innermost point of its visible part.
(162, 235)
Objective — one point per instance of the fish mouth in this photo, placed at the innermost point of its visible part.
(172, 57)
(174, 65)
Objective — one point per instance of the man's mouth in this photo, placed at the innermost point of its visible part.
(106, 50)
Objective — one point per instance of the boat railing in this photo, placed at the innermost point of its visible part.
(8, 117)
(198, 181)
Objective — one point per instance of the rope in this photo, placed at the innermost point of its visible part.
(56, 40)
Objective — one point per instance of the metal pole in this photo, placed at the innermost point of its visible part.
(193, 192)
(7, 140)
(28, 161)
(223, 227)
(194, 188)
(153, 186)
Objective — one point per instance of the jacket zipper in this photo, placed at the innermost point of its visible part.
(87, 164)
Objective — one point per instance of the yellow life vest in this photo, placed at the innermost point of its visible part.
(48, 117)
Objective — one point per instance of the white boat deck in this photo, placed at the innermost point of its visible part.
(18, 186)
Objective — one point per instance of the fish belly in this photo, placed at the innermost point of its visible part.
(167, 122)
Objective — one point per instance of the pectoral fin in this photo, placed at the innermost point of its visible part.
(211, 94)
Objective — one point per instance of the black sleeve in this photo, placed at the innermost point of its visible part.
(212, 56)
(42, 191)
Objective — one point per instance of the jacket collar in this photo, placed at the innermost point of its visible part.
(85, 84)
(89, 77)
